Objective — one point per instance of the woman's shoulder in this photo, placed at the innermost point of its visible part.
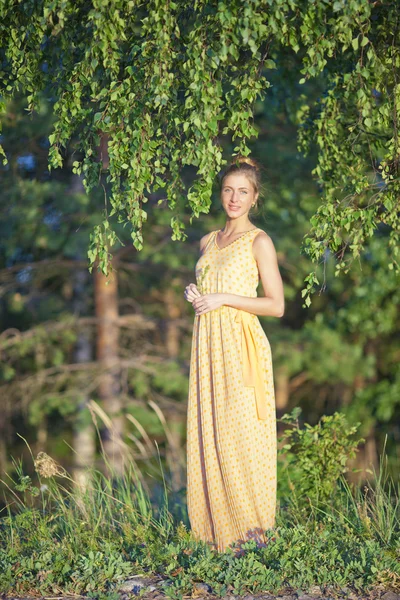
(260, 234)
(262, 242)
(205, 239)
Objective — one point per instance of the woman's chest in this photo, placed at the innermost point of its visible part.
(235, 267)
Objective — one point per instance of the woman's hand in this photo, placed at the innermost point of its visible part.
(204, 304)
(191, 292)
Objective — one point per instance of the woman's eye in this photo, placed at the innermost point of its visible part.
(244, 192)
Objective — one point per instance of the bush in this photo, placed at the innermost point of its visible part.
(311, 460)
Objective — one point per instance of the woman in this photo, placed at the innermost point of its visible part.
(231, 423)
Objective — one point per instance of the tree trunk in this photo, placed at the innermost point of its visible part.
(282, 389)
(366, 459)
(41, 435)
(4, 423)
(367, 456)
(106, 304)
(173, 312)
(83, 435)
(84, 439)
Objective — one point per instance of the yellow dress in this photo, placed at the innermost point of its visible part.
(231, 419)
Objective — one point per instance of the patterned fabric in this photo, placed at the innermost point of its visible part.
(231, 420)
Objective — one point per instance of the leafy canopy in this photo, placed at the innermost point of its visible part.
(165, 83)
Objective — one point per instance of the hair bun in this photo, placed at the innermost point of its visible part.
(247, 160)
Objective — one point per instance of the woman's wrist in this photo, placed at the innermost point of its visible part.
(226, 299)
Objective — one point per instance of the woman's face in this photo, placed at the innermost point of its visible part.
(237, 195)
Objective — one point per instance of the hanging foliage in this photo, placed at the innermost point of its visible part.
(161, 83)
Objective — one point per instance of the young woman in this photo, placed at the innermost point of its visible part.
(231, 422)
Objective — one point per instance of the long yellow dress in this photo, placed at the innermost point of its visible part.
(231, 419)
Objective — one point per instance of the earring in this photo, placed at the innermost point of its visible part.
(253, 204)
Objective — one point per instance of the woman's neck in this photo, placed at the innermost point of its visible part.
(235, 227)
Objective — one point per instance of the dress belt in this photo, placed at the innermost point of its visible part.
(252, 372)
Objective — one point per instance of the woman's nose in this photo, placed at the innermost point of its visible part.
(236, 195)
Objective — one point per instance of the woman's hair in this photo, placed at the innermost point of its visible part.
(247, 166)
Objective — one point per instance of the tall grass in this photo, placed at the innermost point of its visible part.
(58, 537)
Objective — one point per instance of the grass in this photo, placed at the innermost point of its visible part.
(59, 538)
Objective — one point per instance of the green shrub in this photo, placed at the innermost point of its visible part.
(313, 458)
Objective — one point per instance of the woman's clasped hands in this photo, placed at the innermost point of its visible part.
(202, 303)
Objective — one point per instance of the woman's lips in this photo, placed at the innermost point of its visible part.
(234, 207)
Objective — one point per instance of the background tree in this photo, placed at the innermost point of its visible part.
(55, 353)
(335, 356)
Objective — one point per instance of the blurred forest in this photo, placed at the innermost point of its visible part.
(80, 352)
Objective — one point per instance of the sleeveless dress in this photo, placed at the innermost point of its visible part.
(231, 418)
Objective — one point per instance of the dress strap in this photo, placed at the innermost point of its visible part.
(210, 240)
(254, 234)
(256, 230)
